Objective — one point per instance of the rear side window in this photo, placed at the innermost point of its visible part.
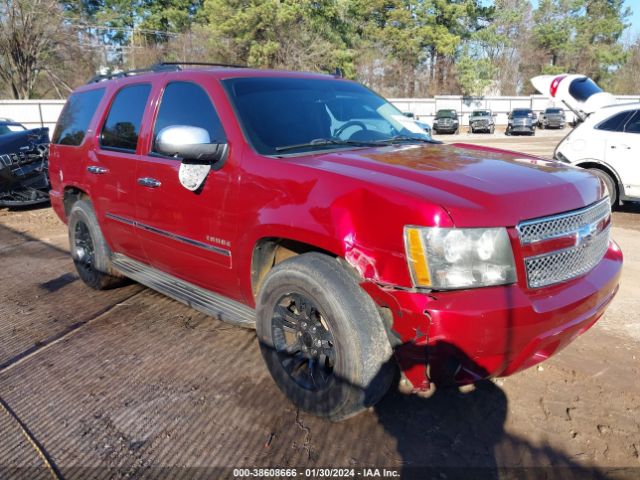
(583, 88)
(633, 125)
(185, 103)
(75, 117)
(122, 126)
(615, 123)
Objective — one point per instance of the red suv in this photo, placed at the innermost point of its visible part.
(309, 208)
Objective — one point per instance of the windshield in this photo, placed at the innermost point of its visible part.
(522, 113)
(553, 111)
(446, 114)
(10, 128)
(299, 115)
(480, 113)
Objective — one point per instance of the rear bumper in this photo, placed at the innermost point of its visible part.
(463, 336)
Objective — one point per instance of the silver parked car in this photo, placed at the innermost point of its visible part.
(481, 121)
(552, 118)
(521, 121)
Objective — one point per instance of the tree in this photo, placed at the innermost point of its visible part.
(33, 40)
(596, 49)
(307, 35)
(626, 80)
(506, 42)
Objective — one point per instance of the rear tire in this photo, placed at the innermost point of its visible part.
(322, 337)
(610, 183)
(89, 250)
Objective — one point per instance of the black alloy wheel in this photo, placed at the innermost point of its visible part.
(304, 342)
(84, 251)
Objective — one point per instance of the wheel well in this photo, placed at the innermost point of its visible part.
(605, 169)
(268, 252)
(71, 196)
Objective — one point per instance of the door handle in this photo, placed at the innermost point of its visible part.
(97, 170)
(149, 182)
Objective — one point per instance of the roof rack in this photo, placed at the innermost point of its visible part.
(159, 67)
(203, 64)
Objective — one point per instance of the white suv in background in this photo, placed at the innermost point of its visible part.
(607, 141)
(608, 144)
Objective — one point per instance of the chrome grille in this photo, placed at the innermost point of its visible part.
(590, 230)
(533, 231)
(565, 264)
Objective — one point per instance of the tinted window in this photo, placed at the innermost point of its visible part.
(522, 113)
(446, 114)
(295, 115)
(75, 117)
(188, 104)
(122, 126)
(480, 113)
(6, 128)
(615, 123)
(553, 111)
(633, 125)
(582, 88)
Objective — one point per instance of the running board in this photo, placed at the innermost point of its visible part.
(198, 298)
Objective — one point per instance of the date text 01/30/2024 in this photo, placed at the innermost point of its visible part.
(316, 472)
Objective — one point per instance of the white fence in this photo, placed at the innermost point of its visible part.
(44, 113)
(32, 113)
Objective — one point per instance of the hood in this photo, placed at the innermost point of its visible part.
(479, 187)
(23, 141)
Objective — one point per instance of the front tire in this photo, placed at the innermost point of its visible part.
(89, 250)
(322, 337)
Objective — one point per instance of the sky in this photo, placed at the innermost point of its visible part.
(635, 16)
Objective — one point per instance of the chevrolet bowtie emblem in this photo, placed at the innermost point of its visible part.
(585, 234)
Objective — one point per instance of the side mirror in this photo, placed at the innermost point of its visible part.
(191, 144)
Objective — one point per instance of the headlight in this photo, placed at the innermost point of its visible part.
(451, 258)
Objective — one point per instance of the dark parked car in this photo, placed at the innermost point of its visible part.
(446, 121)
(481, 121)
(552, 118)
(521, 121)
(23, 165)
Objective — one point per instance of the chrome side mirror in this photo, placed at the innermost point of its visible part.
(190, 144)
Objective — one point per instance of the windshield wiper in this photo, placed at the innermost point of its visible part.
(321, 142)
(406, 138)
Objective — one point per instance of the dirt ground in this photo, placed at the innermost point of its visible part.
(130, 384)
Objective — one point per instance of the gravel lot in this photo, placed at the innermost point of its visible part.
(128, 383)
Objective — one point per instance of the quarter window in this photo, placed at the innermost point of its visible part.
(122, 127)
(615, 123)
(185, 103)
(633, 125)
(75, 117)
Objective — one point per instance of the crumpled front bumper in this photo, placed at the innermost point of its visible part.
(462, 336)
